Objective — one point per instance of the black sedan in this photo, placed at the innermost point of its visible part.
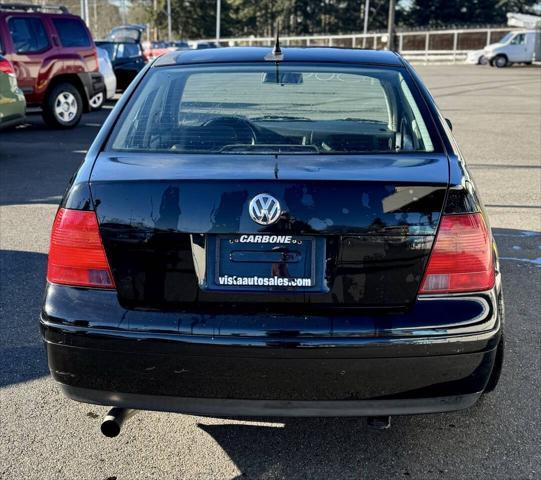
(259, 232)
(127, 59)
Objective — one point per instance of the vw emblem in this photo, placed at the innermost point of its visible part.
(264, 209)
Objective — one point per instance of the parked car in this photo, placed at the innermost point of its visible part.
(522, 46)
(289, 233)
(153, 50)
(123, 44)
(203, 45)
(477, 57)
(109, 78)
(180, 45)
(54, 58)
(127, 59)
(12, 102)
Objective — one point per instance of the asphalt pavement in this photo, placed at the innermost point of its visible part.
(497, 120)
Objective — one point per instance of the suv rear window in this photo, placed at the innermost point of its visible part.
(28, 34)
(71, 32)
(259, 108)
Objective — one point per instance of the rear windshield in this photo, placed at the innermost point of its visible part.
(260, 108)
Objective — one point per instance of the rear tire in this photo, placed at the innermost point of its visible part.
(482, 60)
(497, 368)
(501, 61)
(63, 106)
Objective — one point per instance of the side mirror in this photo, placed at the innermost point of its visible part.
(449, 124)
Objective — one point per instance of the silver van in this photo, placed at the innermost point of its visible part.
(521, 46)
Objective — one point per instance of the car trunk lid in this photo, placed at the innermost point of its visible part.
(359, 227)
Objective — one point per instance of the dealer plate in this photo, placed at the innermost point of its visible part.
(265, 263)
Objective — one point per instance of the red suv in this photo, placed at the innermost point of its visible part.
(55, 60)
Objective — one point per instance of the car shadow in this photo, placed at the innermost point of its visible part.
(325, 448)
(22, 280)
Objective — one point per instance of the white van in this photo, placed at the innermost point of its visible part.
(521, 46)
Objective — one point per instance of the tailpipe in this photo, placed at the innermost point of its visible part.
(382, 422)
(113, 421)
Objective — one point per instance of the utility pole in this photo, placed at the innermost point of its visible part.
(365, 29)
(169, 27)
(155, 27)
(390, 26)
(123, 12)
(95, 21)
(218, 19)
(84, 12)
(87, 14)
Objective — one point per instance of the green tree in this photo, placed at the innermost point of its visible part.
(197, 18)
(143, 12)
(304, 17)
(461, 12)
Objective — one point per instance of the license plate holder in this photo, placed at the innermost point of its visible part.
(265, 263)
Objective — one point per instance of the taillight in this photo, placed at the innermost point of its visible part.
(6, 67)
(76, 253)
(461, 260)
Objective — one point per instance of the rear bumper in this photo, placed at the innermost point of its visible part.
(12, 120)
(274, 408)
(93, 83)
(13, 104)
(110, 85)
(269, 365)
(356, 372)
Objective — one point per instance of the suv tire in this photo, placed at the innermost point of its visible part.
(63, 106)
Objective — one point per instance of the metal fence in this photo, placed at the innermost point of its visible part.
(425, 46)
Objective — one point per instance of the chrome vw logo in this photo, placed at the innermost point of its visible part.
(264, 209)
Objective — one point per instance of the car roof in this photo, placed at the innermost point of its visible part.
(257, 54)
(21, 13)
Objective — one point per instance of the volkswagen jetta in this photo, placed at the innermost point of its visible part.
(263, 233)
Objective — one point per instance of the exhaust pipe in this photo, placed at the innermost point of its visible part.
(112, 423)
(382, 422)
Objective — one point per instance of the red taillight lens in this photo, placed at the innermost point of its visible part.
(6, 67)
(76, 254)
(461, 260)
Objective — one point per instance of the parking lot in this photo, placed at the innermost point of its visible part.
(496, 115)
